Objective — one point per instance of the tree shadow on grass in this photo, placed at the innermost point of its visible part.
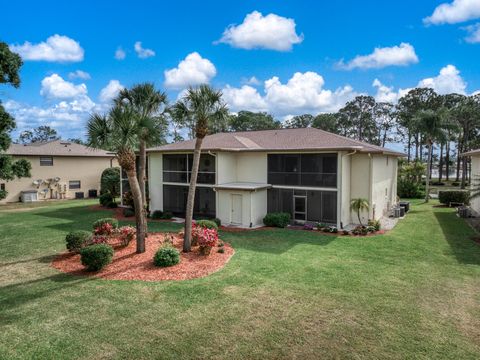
(458, 235)
(275, 241)
(15, 295)
(47, 259)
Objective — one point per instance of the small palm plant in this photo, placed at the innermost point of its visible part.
(358, 205)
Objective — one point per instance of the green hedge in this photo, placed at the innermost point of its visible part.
(206, 224)
(166, 256)
(277, 219)
(76, 240)
(96, 257)
(100, 222)
(457, 196)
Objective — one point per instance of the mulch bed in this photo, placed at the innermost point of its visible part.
(128, 265)
(118, 214)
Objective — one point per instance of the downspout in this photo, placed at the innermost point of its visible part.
(340, 188)
(370, 187)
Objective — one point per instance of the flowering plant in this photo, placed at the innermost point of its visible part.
(126, 234)
(207, 237)
(104, 229)
(99, 239)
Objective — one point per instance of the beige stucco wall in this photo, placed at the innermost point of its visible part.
(475, 204)
(384, 184)
(252, 167)
(360, 180)
(68, 168)
(345, 187)
(155, 178)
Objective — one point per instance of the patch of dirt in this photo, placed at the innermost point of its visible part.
(128, 265)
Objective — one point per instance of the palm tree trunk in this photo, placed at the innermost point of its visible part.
(187, 241)
(139, 211)
(359, 220)
(142, 170)
(459, 150)
(427, 180)
(447, 161)
(409, 147)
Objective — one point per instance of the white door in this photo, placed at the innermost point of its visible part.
(236, 209)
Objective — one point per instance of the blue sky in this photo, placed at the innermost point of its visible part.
(285, 57)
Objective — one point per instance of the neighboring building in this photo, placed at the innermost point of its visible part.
(310, 173)
(59, 170)
(475, 156)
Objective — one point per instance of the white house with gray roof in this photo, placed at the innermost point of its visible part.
(310, 173)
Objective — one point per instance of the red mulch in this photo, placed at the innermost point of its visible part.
(118, 214)
(127, 265)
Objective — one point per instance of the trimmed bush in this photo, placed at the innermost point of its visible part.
(128, 212)
(100, 222)
(453, 196)
(208, 224)
(76, 240)
(277, 219)
(106, 199)
(166, 256)
(218, 222)
(157, 214)
(96, 257)
(167, 215)
(110, 181)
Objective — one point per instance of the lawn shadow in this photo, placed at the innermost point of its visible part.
(275, 241)
(42, 259)
(17, 294)
(463, 247)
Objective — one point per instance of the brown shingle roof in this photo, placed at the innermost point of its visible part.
(56, 148)
(306, 139)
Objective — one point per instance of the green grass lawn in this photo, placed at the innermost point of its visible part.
(413, 293)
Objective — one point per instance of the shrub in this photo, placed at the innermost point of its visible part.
(360, 230)
(277, 219)
(128, 212)
(456, 196)
(408, 189)
(321, 226)
(100, 239)
(104, 229)
(455, 183)
(76, 240)
(218, 222)
(100, 222)
(332, 229)
(375, 224)
(167, 215)
(308, 226)
(371, 229)
(110, 182)
(127, 199)
(166, 256)
(96, 257)
(221, 250)
(126, 234)
(207, 224)
(106, 199)
(157, 214)
(112, 205)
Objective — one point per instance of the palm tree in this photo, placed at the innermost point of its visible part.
(358, 205)
(118, 132)
(148, 104)
(202, 106)
(431, 124)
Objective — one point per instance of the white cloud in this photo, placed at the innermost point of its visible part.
(120, 53)
(448, 81)
(244, 98)
(262, 32)
(474, 33)
(455, 12)
(251, 81)
(79, 74)
(109, 92)
(141, 52)
(303, 93)
(56, 48)
(193, 70)
(384, 93)
(401, 55)
(55, 87)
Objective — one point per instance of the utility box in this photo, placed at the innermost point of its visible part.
(29, 196)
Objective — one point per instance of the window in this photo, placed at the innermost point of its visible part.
(321, 205)
(74, 184)
(2, 186)
(175, 201)
(177, 168)
(318, 170)
(46, 160)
